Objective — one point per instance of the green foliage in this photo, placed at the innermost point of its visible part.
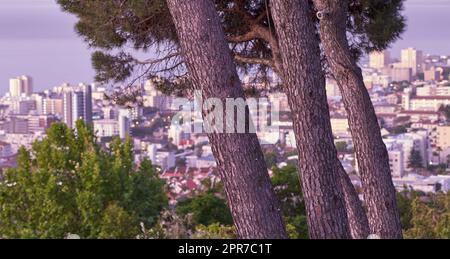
(117, 224)
(271, 159)
(146, 24)
(405, 209)
(175, 226)
(297, 227)
(289, 192)
(214, 231)
(112, 67)
(169, 226)
(206, 216)
(374, 25)
(206, 209)
(425, 216)
(67, 184)
(341, 146)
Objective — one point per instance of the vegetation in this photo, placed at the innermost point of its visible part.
(425, 216)
(67, 184)
(288, 190)
(342, 146)
(144, 25)
(206, 209)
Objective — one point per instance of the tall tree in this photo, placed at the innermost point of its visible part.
(320, 168)
(146, 24)
(67, 184)
(240, 160)
(371, 152)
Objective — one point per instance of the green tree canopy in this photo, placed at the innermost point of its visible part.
(288, 190)
(68, 184)
(206, 209)
(120, 29)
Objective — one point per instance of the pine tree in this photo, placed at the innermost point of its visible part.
(239, 157)
(249, 29)
(373, 159)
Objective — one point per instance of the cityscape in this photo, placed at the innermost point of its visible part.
(101, 167)
(411, 97)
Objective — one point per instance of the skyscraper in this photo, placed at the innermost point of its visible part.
(380, 59)
(78, 105)
(124, 123)
(412, 58)
(27, 85)
(22, 85)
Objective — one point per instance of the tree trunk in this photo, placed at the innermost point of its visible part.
(371, 152)
(357, 217)
(304, 84)
(240, 160)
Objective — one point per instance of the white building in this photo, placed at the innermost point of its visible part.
(23, 106)
(106, 128)
(165, 160)
(379, 59)
(77, 103)
(406, 143)
(424, 99)
(412, 58)
(124, 123)
(425, 184)
(176, 134)
(21, 86)
(340, 126)
(396, 160)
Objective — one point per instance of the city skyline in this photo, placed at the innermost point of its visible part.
(207, 157)
(38, 39)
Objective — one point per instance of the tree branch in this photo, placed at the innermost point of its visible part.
(253, 60)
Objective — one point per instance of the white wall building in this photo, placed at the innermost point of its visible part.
(21, 86)
(106, 128)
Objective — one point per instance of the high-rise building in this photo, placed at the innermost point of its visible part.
(77, 105)
(67, 108)
(106, 128)
(53, 106)
(15, 86)
(443, 137)
(27, 85)
(379, 59)
(397, 73)
(23, 107)
(412, 58)
(124, 123)
(22, 85)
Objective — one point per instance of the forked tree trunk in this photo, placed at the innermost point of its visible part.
(371, 152)
(304, 84)
(240, 160)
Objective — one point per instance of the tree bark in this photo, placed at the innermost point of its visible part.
(240, 160)
(357, 217)
(304, 84)
(371, 152)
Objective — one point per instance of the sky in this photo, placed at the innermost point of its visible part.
(38, 39)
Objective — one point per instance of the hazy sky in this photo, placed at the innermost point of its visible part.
(37, 39)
